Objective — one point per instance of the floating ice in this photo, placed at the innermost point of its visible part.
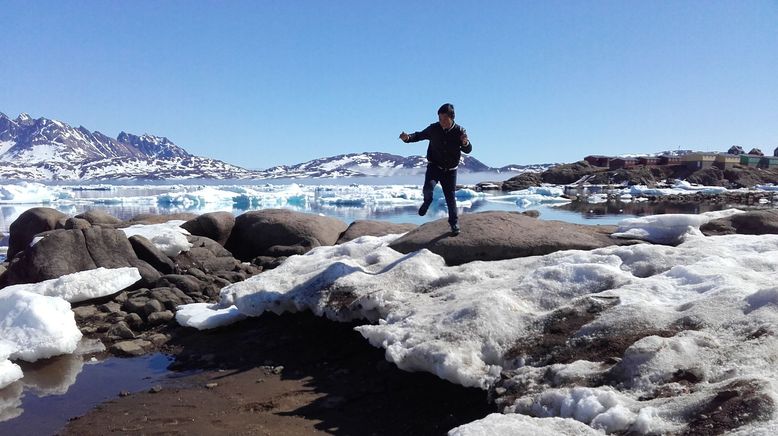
(169, 237)
(26, 193)
(38, 326)
(82, 286)
(533, 195)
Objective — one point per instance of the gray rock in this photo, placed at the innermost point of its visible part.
(206, 255)
(373, 228)
(84, 313)
(231, 276)
(153, 218)
(30, 223)
(63, 252)
(162, 317)
(159, 339)
(152, 306)
(134, 321)
(214, 225)
(171, 298)
(149, 253)
(267, 262)
(110, 307)
(187, 284)
(135, 347)
(120, 330)
(135, 304)
(503, 235)
(255, 232)
(757, 222)
(121, 297)
(76, 223)
(98, 217)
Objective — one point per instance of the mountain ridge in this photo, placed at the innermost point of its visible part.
(46, 149)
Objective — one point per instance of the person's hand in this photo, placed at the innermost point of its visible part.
(404, 137)
(464, 138)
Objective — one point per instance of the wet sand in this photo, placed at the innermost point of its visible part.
(293, 374)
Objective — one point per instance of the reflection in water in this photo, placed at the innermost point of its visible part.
(54, 390)
(615, 207)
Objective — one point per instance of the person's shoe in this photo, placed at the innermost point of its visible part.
(454, 229)
(423, 209)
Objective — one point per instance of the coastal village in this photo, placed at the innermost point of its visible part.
(694, 160)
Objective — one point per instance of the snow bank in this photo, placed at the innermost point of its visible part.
(696, 319)
(204, 316)
(82, 286)
(169, 237)
(37, 326)
(499, 424)
(668, 228)
(9, 371)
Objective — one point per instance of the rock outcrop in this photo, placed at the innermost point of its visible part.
(30, 223)
(503, 235)
(214, 225)
(281, 232)
(373, 228)
(757, 222)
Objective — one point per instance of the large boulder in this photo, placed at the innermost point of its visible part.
(757, 222)
(97, 217)
(270, 232)
(153, 218)
(63, 252)
(148, 252)
(206, 255)
(522, 181)
(373, 228)
(503, 235)
(214, 225)
(30, 223)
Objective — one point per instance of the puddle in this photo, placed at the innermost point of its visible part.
(55, 390)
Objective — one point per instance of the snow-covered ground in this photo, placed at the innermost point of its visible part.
(701, 316)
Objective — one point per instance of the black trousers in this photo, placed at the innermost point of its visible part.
(448, 181)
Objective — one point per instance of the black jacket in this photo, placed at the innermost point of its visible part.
(445, 146)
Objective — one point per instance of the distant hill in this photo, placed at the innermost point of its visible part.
(45, 149)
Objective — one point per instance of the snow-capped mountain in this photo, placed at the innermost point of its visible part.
(44, 149)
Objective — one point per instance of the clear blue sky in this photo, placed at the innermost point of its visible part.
(262, 83)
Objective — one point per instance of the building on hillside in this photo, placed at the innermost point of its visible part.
(769, 162)
(622, 162)
(750, 160)
(667, 159)
(726, 160)
(648, 160)
(756, 152)
(598, 160)
(699, 160)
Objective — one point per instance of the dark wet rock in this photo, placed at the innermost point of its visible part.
(134, 321)
(206, 255)
(757, 222)
(162, 317)
(137, 347)
(503, 235)
(110, 307)
(268, 262)
(197, 273)
(63, 252)
(735, 405)
(136, 304)
(97, 217)
(76, 223)
(256, 232)
(152, 306)
(30, 223)
(170, 298)
(214, 225)
(522, 181)
(120, 331)
(373, 228)
(148, 252)
(153, 218)
(231, 276)
(188, 284)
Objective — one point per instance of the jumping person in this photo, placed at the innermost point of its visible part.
(447, 141)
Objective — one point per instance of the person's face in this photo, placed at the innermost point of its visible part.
(445, 121)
